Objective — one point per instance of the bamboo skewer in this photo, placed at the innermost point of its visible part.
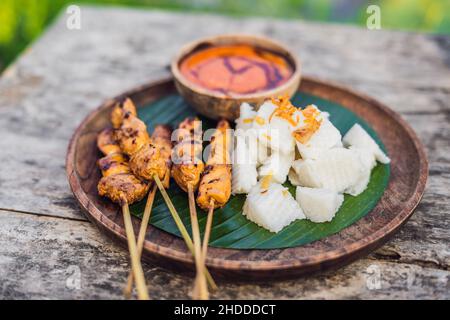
(207, 231)
(134, 256)
(183, 231)
(140, 154)
(187, 173)
(215, 184)
(114, 166)
(141, 237)
(200, 287)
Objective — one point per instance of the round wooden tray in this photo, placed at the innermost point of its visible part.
(409, 172)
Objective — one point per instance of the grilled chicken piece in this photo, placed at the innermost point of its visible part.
(106, 142)
(188, 166)
(147, 162)
(216, 180)
(162, 138)
(187, 174)
(117, 182)
(146, 159)
(215, 184)
(132, 135)
(113, 163)
(220, 144)
(120, 110)
(122, 188)
(189, 144)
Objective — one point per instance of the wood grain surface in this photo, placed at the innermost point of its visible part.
(47, 92)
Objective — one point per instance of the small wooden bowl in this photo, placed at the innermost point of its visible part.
(217, 105)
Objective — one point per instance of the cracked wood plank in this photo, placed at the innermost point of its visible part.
(65, 259)
(65, 74)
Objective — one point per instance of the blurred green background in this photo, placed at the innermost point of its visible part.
(22, 21)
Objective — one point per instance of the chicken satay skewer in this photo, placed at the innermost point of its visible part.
(161, 137)
(122, 187)
(122, 109)
(215, 185)
(186, 172)
(146, 163)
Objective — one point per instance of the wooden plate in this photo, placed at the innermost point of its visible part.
(409, 172)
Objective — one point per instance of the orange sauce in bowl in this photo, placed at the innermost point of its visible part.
(236, 69)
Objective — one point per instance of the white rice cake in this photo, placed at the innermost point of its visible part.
(275, 133)
(244, 173)
(293, 177)
(244, 177)
(273, 208)
(246, 117)
(337, 169)
(245, 127)
(325, 138)
(368, 162)
(359, 138)
(259, 150)
(319, 205)
(263, 114)
(277, 165)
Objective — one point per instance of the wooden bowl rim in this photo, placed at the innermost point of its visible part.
(281, 48)
(372, 241)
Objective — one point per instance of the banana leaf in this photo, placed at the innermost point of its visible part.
(230, 228)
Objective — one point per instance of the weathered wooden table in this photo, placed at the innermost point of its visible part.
(48, 249)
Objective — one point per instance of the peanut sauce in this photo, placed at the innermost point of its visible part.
(236, 69)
